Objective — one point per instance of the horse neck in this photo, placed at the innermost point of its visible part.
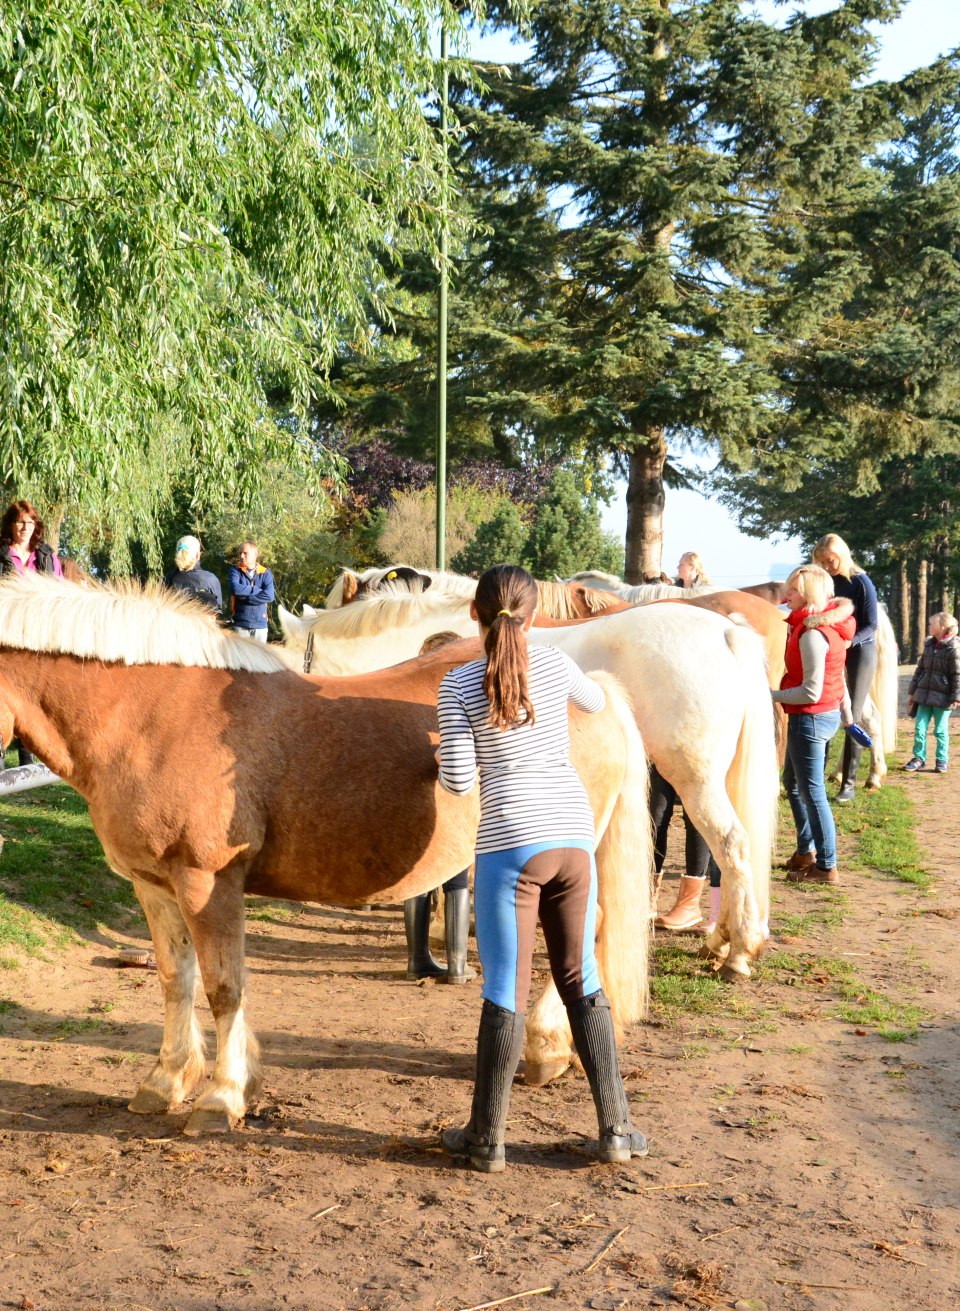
(337, 657)
(52, 699)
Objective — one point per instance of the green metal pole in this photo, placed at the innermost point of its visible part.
(442, 321)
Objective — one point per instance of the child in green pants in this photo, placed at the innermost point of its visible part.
(935, 690)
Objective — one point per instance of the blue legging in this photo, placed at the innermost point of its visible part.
(558, 884)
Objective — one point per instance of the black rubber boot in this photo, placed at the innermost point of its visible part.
(499, 1044)
(592, 1026)
(456, 916)
(416, 923)
(851, 762)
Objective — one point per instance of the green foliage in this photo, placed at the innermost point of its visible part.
(193, 207)
(566, 536)
(292, 525)
(501, 539)
(408, 534)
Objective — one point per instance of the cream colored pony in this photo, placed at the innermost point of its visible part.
(879, 716)
(700, 695)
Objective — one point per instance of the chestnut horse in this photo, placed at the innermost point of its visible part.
(700, 694)
(211, 770)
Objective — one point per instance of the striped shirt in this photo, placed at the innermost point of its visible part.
(529, 790)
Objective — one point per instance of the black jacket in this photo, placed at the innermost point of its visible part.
(936, 679)
(44, 561)
(199, 583)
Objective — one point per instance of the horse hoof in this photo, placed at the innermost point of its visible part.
(207, 1121)
(538, 1073)
(730, 975)
(149, 1102)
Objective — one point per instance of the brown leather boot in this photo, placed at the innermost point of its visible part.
(814, 874)
(685, 912)
(801, 860)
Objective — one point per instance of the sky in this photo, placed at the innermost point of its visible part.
(691, 522)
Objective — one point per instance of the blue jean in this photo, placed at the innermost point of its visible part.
(808, 737)
(941, 728)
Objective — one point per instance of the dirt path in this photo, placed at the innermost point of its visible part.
(798, 1159)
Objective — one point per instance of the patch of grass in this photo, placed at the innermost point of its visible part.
(272, 912)
(74, 1028)
(54, 881)
(799, 1049)
(883, 824)
(894, 1020)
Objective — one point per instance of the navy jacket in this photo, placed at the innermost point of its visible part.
(860, 590)
(200, 583)
(252, 593)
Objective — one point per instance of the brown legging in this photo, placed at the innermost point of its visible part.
(513, 888)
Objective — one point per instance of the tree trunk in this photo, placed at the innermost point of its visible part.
(920, 611)
(904, 610)
(645, 500)
(52, 523)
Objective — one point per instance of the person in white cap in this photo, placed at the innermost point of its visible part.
(189, 577)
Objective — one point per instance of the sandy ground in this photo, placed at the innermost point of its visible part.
(798, 1160)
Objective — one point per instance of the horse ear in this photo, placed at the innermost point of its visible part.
(351, 586)
(288, 621)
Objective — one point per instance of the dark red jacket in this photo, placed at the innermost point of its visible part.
(837, 636)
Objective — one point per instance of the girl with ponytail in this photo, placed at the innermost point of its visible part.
(505, 716)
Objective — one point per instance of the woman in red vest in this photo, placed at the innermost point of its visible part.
(811, 692)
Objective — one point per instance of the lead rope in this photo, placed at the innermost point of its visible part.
(308, 653)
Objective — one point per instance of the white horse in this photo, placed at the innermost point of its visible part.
(642, 593)
(702, 703)
(879, 715)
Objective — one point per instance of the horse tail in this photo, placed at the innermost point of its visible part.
(753, 779)
(883, 690)
(624, 873)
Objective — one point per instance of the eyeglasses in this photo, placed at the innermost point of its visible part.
(25, 523)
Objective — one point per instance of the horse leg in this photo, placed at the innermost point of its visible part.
(549, 1042)
(213, 909)
(180, 1065)
(739, 921)
(872, 721)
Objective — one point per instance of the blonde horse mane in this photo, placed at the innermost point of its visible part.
(124, 623)
(558, 601)
(396, 607)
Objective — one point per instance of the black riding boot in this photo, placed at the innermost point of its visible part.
(592, 1026)
(499, 1044)
(851, 761)
(456, 916)
(416, 923)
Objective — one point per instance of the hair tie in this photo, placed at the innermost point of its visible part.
(508, 613)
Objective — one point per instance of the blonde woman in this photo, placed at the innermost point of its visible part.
(189, 577)
(811, 693)
(691, 571)
(850, 582)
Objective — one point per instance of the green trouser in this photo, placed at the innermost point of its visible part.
(941, 728)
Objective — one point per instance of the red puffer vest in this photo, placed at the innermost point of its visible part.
(837, 637)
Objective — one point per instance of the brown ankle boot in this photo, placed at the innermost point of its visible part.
(685, 911)
(801, 860)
